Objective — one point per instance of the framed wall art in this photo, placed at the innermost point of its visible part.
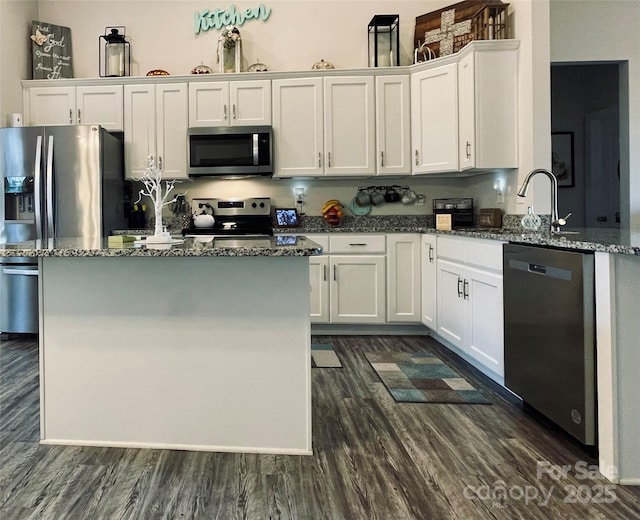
(562, 158)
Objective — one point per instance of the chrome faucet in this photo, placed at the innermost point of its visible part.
(556, 223)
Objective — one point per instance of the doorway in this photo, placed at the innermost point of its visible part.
(585, 121)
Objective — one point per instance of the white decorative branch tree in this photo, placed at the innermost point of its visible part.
(160, 197)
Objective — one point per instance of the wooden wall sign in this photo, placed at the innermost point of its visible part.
(51, 51)
(447, 30)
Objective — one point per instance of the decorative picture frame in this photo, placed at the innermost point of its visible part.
(562, 158)
(286, 218)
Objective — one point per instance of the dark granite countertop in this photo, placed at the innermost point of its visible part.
(586, 239)
(189, 247)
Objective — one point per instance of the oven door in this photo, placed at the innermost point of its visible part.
(237, 151)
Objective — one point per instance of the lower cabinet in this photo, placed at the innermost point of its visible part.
(429, 275)
(470, 302)
(348, 285)
(403, 278)
(357, 288)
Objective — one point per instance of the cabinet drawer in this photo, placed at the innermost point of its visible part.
(350, 243)
(472, 251)
(322, 240)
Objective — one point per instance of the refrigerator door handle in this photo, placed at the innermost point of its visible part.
(51, 232)
(37, 190)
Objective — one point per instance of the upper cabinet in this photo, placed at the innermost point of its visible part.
(393, 125)
(86, 105)
(324, 126)
(155, 125)
(488, 97)
(464, 110)
(230, 103)
(434, 123)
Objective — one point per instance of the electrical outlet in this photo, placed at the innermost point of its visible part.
(420, 200)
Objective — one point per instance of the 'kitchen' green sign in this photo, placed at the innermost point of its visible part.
(219, 18)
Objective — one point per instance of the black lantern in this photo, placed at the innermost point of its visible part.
(115, 53)
(384, 40)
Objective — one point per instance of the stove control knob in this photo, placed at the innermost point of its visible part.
(262, 204)
(254, 205)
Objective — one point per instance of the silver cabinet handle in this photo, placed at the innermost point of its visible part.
(160, 162)
(430, 254)
(468, 149)
(79, 118)
(319, 160)
(357, 243)
(324, 273)
(465, 291)
(329, 159)
(335, 274)
(224, 110)
(382, 159)
(417, 161)
(459, 284)
(233, 107)
(70, 116)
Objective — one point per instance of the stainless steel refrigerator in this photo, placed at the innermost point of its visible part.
(72, 178)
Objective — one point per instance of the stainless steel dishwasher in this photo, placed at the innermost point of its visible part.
(549, 334)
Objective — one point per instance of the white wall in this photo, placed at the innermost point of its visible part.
(607, 30)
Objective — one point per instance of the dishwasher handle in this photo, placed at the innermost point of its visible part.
(18, 271)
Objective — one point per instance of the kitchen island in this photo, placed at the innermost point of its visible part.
(200, 345)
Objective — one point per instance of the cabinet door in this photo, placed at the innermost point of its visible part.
(319, 288)
(485, 335)
(451, 303)
(393, 126)
(139, 128)
(429, 279)
(171, 129)
(403, 278)
(209, 103)
(298, 127)
(250, 103)
(467, 107)
(357, 289)
(52, 106)
(434, 119)
(349, 130)
(100, 106)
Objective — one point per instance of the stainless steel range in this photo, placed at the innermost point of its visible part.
(246, 218)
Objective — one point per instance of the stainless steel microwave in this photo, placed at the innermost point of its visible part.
(235, 151)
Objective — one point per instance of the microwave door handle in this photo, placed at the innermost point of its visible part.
(51, 232)
(37, 188)
(255, 149)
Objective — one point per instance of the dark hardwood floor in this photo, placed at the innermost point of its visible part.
(373, 459)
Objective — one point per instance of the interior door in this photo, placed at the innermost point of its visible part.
(602, 168)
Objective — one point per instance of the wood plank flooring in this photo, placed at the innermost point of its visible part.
(373, 459)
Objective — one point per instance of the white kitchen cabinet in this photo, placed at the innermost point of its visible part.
(230, 103)
(156, 122)
(357, 288)
(349, 129)
(429, 276)
(487, 93)
(403, 277)
(393, 125)
(324, 127)
(298, 127)
(82, 105)
(434, 119)
(470, 302)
